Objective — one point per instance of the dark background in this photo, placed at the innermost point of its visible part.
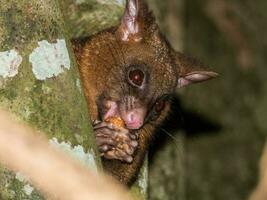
(223, 121)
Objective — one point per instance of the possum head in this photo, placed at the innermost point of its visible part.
(144, 71)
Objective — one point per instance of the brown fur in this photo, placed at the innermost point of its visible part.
(103, 60)
(99, 56)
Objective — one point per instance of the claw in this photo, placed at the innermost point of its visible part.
(95, 122)
(103, 125)
(110, 155)
(120, 154)
(105, 132)
(134, 143)
(115, 143)
(104, 148)
(133, 136)
(129, 159)
(105, 141)
(130, 151)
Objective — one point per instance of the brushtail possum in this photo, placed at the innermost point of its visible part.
(129, 72)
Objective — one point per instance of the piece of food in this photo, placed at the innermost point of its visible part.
(116, 121)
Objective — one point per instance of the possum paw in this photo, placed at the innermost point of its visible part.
(115, 142)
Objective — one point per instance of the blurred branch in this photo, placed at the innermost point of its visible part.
(260, 193)
(41, 86)
(51, 171)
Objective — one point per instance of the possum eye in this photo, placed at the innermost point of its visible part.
(157, 108)
(159, 105)
(136, 77)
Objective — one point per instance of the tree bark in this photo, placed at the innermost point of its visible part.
(75, 181)
(40, 84)
(86, 17)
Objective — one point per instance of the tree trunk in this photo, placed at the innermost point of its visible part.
(86, 17)
(39, 83)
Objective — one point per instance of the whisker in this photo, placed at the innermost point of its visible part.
(175, 141)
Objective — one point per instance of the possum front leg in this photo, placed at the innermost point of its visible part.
(115, 142)
(126, 173)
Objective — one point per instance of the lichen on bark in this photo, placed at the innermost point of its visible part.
(54, 105)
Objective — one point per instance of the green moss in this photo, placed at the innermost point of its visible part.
(55, 106)
(26, 21)
(89, 16)
(139, 190)
(11, 94)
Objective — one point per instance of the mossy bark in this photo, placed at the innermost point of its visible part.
(86, 17)
(52, 105)
(139, 190)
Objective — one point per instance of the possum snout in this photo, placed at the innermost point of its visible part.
(133, 113)
(130, 111)
(134, 119)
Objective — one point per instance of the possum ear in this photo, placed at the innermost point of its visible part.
(191, 71)
(134, 21)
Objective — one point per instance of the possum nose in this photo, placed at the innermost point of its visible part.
(134, 119)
